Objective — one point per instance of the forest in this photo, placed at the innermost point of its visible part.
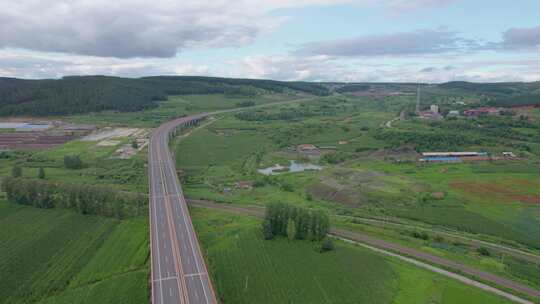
(83, 94)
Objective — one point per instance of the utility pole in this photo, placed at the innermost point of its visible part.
(418, 100)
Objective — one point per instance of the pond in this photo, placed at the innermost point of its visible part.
(293, 167)
(23, 126)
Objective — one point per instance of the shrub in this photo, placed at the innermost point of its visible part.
(327, 245)
(420, 235)
(483, 251)
(72, 162)
(16, 171)
(41, 173)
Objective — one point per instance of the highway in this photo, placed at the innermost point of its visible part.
(179, 273)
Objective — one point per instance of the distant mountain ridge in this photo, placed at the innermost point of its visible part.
(83, 94)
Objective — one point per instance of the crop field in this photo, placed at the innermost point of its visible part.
(281, 271)
(56, 256)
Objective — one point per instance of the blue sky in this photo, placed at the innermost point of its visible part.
(316, 40)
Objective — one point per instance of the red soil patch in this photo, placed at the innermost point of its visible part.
(530, 199)
(498, 191)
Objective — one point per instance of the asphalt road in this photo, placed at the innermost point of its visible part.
(179, 273)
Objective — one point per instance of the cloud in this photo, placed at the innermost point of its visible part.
(426, 41)
(34, 65)
(402, 6)
(326, 68)
(158, 28)
(521, 38)
(137, 28)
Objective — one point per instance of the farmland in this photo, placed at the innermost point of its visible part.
(55, 256)
(281, 270)
(368, 172)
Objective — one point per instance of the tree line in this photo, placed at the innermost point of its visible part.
(83, 94)
(83, 198)
(294, 222)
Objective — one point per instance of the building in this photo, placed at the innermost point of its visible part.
(430, 115)
(481, 111)
(453, 157)
(243, 185)
(453, 154)
(441, 159)
(434, 108)
(509, 154)
(453, 113)
(306, 148)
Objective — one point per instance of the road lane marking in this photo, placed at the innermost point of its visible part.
(198, 274)
(166, 279)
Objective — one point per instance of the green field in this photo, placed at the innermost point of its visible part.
(57, 256)
(98, 166)
(248, 269)
(173, 107)
(494, 199)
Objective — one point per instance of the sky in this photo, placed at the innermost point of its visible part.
(311, 40)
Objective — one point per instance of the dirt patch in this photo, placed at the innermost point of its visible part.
(339, 195)
(530, 199)
(497, 191)
(401, 153)
(437, 195)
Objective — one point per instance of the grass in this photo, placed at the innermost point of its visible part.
(98, 167)
(489, 198)
(232, 149)
(455, 249)
(281, 271)
(209, 148)
(174, 106)
(48, 255)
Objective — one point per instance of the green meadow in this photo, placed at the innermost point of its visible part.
(283, 271)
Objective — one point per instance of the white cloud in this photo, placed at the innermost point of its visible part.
(425, 41)
(136, 28)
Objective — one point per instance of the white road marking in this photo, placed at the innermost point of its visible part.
(195, 274)
(167, 278)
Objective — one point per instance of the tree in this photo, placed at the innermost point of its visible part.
(72, 162)
(16, 171)
(281, 218)
(267, 230)
(291, 229)
(41, 173)
(327, 245)
(134, 144)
